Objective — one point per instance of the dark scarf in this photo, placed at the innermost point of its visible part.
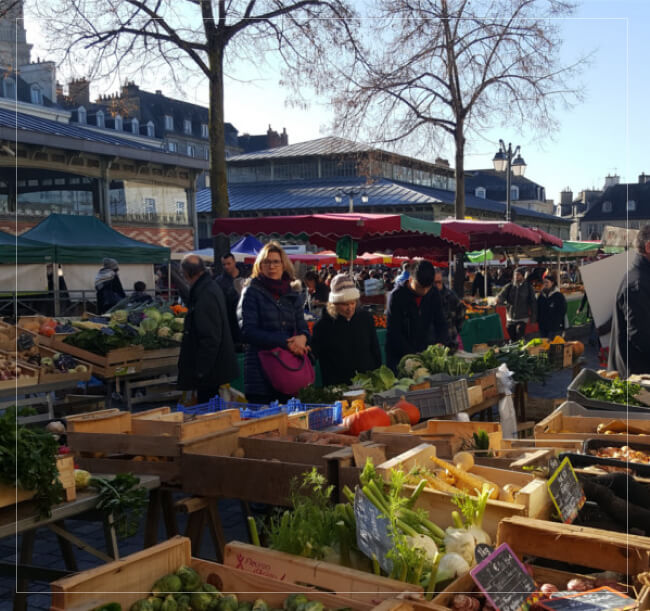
(277, 288)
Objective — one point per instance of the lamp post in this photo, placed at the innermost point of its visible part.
(503, 162)
(351, 193)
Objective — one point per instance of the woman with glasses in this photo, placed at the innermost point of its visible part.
(271, 315)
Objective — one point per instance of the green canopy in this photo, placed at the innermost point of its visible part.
(27, 251)
(85, 239)
(577, 248)
(478, 256)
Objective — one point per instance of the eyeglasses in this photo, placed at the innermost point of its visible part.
(271, 262)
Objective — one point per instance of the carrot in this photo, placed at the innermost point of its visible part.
(468, 481)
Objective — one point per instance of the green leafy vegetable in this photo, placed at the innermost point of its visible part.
(613, 391)
(122, 498)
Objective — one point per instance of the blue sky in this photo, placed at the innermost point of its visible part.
(608, 133)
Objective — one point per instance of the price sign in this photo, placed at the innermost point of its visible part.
(504, 580)
(566, 492)
(373, 537)
(600, 599)
(482, 551)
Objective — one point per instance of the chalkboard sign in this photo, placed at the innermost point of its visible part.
(600, 599)
(372, 531)
(482, 551)
(566, 492)
(504, 580)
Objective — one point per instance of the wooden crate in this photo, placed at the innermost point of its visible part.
(65, 464)
(119, 362)
(313, 573)
(474, 395)
(559, 426)
(28, 376)
(56, 376)
(161, 357)
(488, 384)
(561, 355)
(129, 579)
(10, 333)
(565, 445)
(149, 443)
(579, 545)
(462, 430)
(532, 499)
(517, 459)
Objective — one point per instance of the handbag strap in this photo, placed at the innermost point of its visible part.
(276, 355)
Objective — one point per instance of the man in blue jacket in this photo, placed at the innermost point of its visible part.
(414, 315)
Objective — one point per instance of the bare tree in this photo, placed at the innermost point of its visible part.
(457, 66)
(172, 37)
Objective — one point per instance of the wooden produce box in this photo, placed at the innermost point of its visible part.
(28, 376)
(314, 573)
(488, 384)
(475, 395)
(59, 376)
(560, 355)
(65, 464)
(161, 357)
(10, 333)
(118, 362)
(558, 444)
(578, 545)
(559, 426)
(517, 459)
(532, 499)
(149, 443)
(129, 579)
(246, 467)
(463, 431)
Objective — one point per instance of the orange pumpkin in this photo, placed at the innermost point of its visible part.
(578, 349)
(366, 420)
(412, 411)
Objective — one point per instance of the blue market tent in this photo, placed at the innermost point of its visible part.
(248, 245)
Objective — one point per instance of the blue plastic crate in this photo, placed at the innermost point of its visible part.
(246, 410)
(323, 417)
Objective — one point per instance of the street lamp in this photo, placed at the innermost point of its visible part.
(351, 193)
(503, 162)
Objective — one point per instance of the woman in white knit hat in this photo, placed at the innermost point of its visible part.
(344, 339)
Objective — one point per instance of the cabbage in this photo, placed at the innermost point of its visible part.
(167, 317)
(149, 324)
(178, 324)
(164, 332)
(177, 337)
(119, 317)
(153, 313)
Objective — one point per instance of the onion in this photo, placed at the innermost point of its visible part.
(578, 585)
(547, 589)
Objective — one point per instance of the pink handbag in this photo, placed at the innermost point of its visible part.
(286, 372)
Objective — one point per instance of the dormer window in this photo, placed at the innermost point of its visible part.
(135, 126)
(119, 124)
(100, 118)
(36, 96)
(607, 206)
(204, 130)
(151, 130)
(514, 192)
(169, 122)
(9, 88)
(480, 192)
(631, 205)
(82, 116)
(187, 126)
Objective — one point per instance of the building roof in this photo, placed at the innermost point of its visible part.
(495, 184)
(619, 195)
(330, 145)
(23, 90)
(319, 196)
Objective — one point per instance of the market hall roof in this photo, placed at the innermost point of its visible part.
(319, 195)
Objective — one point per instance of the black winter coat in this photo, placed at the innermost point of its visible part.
(207, 359)
(110, 294)
(227, 285)
(345, 347)
(551, 310)
(410, 328)
(629, 350)
(266, 323)
(520, 301)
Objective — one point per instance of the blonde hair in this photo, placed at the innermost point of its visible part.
(275, 247)
(333, 312)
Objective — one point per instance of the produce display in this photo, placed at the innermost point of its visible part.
(57, 363)
(614, 391)
(623, 453)
(10, 369)
(438, 359)
(310, 437)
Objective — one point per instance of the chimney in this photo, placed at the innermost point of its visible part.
(59, 91)
(158, 91)
(644, 178)
(284, 137)
(610, 181)
(442, 161)
(79, 91)
(566, 197)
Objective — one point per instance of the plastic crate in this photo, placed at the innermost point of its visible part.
(247, 411)
(442, 399)
(322, 417)
(571, 408)
(589, 375)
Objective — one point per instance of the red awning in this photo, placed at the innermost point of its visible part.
(491, 234)
(547, 238)
(372, 232)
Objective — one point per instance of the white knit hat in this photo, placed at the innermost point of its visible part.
(342, 289)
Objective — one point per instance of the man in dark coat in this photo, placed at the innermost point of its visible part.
(521, 306)
(231, 281)
(454, 310)
(207, 359)
(551, 308)
(414, 315)
(108, 286)
(478, 285)
(629, 346)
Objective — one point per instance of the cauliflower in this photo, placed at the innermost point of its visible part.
(177, 337)
(164, 332)
(410, 366)
(421, 372)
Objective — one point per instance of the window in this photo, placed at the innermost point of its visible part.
(35, 94)
(149, 205)
(631, 205)
(81, 115)
(169, 122)
(172, 147)
(180, 208)
(187, 126)
(135, 126)
(191, 152)
(206, 153)
(100, 118)
(119, 124)
(480, 192)
(151, 131)
(9, 86)
(514, 192)
(607, 206)
(204, 130)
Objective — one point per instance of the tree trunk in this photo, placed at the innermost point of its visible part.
(218, 169)
(459, 206)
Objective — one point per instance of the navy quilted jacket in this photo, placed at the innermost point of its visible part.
(266, 323)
